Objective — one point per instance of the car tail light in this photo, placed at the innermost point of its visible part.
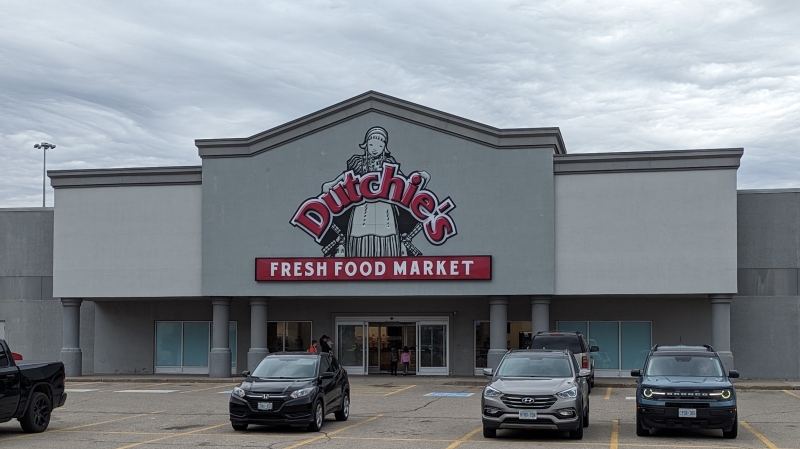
(585, 362)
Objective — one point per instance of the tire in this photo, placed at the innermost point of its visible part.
(734, 430)
(317, 416)
(489, 433)
(239, 426)
(640, 430)
(344, 411)
(577, 434)
(37, 416)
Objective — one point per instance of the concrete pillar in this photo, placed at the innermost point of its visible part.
(498, 321)
(540, 313)
(71, 354)
(258, 332)
(721, 327)
(219, 360)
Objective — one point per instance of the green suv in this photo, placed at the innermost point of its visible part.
(685, 387)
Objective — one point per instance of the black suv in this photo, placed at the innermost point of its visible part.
(574, 341)
(294, 388)
(685, 387)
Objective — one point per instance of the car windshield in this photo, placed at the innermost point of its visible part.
(570, 342)
(684, 365)
(535, 367)
(277, 367)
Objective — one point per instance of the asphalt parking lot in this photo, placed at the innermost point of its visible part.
(387, 412)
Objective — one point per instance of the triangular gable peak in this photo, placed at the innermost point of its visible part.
(513, 138)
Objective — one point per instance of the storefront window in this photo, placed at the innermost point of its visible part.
(623, 344)
(288, 335)
(518, 335)
(183, 346)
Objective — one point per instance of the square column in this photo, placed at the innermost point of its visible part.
(721, 327)
(71, 354)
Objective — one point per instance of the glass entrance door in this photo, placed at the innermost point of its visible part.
(432, 349)
(383, 337)
(351, 346)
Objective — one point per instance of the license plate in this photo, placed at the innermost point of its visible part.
(687, 413)
(527, 414)
(265, 405)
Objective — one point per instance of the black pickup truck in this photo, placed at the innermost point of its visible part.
(29, 391)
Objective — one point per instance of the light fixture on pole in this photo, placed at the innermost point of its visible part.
(44, 146)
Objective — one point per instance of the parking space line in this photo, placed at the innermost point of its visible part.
(402, 389)
(791, 394)
(172, 436)
(458, 442)
(614, 433)
(758, 435)
(84, 425)
(139, 388)
(327, 434)
(210, 388)
(608, 393)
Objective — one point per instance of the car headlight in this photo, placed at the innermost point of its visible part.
(238, 392)
(568, 393)
(490, 392)
(724, 394)
(647, 392)
(302, 392)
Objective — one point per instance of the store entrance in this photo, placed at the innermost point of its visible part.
(383, 337)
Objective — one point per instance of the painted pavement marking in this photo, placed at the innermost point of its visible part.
(327, 434)
(608, 393)
(80, 390)
(763, 439)
(172, 436)
(445, 394)
(791, 394)
(27, 435)
(146, 391)
(614, 434)
(458, 442)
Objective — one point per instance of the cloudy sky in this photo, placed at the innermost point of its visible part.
(132, 84)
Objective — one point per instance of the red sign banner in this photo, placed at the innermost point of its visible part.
(429, 268)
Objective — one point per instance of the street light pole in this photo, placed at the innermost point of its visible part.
(44, 146)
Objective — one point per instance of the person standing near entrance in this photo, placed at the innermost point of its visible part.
(324, 344)
(405, 357)
(393, 358)
(314, 348)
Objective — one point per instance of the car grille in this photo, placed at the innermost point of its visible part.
(687, 395)
(528, 402)
(688, 404)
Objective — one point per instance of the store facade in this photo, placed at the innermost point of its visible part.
(385, 224)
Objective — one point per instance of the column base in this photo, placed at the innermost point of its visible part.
(494, 356)
(254, 356)
(73, 361)
(219, 362)
(727, 359)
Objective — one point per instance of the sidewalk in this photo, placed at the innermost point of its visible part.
(380, 379)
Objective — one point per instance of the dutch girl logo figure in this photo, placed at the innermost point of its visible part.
(372, 209)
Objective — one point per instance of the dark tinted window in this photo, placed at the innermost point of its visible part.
(535, 366)
(286, 367)
(4, 360)
(325, 364)
(334, 364)
(571, 342)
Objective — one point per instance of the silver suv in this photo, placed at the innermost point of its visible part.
(536, 389)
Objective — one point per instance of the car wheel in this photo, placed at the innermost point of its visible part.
(640, 430)
(489, 433)
(344, 411)
(237, 426)
(317, 415)
(577, 434)
(733, 432)
(37, 416)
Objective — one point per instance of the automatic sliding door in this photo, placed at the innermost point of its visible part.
(351, 346)
(432, 350)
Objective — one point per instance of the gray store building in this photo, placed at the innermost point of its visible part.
(384, 224)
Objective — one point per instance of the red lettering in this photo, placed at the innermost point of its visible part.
(423, 205)
(365, 186)
(440, 229)
(414, 181)
(313, 217)
(391, 187)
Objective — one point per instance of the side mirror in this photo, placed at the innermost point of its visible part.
(733, 374)
(245, 373)
(636, 372)
(585, 373)
(594, 349)
(327, 375)
(488, 371)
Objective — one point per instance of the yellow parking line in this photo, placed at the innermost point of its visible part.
(138, 387)
(172, 436)
(791, 394)
(86, 425)
(608, 393)
(327, 434)
(210, 388)
(402, 389)
(758, 435)
(614, 433)
(458, 442)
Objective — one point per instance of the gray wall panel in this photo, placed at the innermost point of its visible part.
(141, 241)
(26, 242)
(765, 336)
(504, 207)
(646, 233)
(768, 282)
(20, 287)
(769, 229)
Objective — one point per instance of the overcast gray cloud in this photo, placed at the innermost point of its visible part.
(124, 84)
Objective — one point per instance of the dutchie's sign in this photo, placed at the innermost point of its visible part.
(365, 220)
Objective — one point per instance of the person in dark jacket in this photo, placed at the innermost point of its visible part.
(324, 346)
